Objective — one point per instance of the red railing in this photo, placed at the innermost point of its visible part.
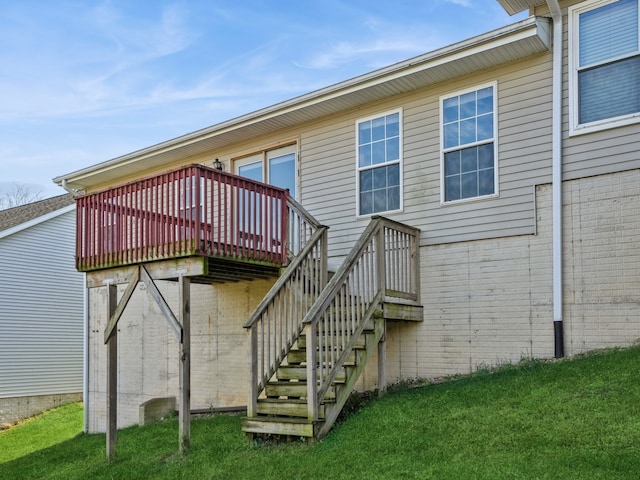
(193, 210)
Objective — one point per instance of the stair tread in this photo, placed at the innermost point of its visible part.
(301, 401)
(279, 419)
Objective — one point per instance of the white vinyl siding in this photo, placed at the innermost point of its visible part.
(41, 310)
(604, 65)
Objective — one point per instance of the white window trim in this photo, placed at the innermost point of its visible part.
(496, 175)
(400, 162)
(574, 51)
(263, 156)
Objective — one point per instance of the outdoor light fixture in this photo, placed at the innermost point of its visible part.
(217, 164)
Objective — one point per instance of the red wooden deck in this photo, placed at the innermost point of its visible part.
(194, 210)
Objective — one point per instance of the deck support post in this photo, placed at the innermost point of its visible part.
(112, 375)
(252, 401)
(381, 278)
(184, 420)
(382, 361)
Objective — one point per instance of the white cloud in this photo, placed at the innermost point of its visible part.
(344, 52)
(87, 60)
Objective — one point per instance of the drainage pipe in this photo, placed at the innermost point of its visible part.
(556, 182)
(85, 359)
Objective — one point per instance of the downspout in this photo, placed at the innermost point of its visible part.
(556, 175)
(73, 192)
(85, 354)
(85, 346)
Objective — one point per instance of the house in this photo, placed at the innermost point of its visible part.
(41, 309)
(467, 207)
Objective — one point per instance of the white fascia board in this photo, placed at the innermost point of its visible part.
(37, 220)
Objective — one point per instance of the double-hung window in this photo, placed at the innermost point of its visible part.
(468, 122)
(379, 155)
(604, 65)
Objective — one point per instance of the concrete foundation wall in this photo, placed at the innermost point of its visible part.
(148, 365)
(18, 408)
(490, 301)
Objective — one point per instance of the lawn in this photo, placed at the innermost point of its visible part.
(573, 419)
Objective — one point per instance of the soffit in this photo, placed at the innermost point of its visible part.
(507, 44)
(516, 6)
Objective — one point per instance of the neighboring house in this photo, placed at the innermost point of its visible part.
(41, 309)
(515, 155)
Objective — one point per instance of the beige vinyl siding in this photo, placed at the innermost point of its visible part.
(605, 151)
(328, 170)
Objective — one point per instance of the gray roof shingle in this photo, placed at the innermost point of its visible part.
(15, 216)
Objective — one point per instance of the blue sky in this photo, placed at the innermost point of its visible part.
(85, 81)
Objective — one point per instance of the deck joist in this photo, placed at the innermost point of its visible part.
(200, 269)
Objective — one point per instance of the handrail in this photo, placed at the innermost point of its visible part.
(276, 322)
(301, 227)
(303, 213)
(286, 276)
(333, 325)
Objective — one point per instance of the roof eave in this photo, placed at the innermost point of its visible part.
(516, 6)
(509, 43)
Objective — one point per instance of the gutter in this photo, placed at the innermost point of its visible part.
(74, 193)
(556, 189)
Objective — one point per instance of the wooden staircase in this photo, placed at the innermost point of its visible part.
(283, 410)
(310, 328)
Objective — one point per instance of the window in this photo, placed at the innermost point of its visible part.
(276, 167)
(468, 144)
(379, 167)
(604, 65)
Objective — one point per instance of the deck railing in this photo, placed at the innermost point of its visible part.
(194, 210)
(277, 321)
(382, 264)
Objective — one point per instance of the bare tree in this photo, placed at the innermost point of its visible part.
(18, 195)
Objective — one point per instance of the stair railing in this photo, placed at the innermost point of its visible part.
(383, 263)
(277, 320)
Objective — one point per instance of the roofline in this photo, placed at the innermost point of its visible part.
(37, 220)
(516, 6)
(457, 51)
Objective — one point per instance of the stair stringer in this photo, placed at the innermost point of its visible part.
(344, 391)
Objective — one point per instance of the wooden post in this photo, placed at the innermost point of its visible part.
(310, 332)
(382, 285)
(252, 401)
(184, 420)
(381, 268)
(382, 360)
(112, 375)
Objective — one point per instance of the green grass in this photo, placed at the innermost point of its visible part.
(45, 430)
(577, 419)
